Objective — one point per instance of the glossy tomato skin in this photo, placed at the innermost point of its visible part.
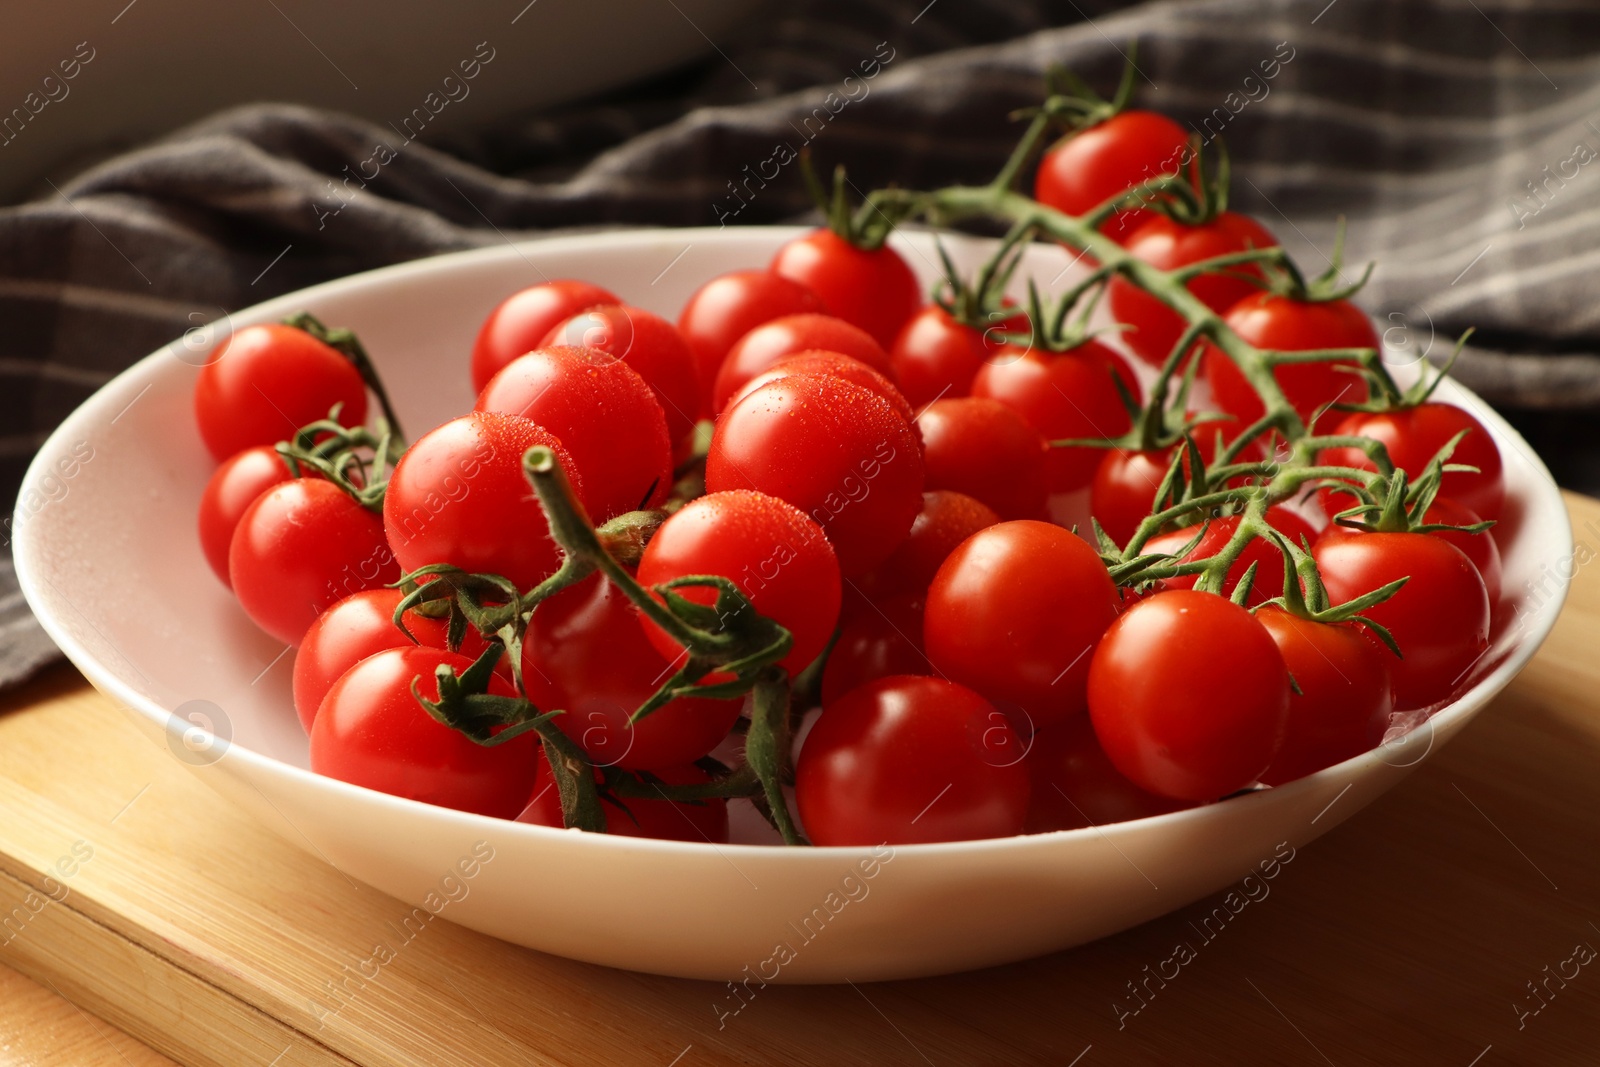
(1267, 320)
(1268, 581)
(649, 344)
(1439, 619)
(838, 452)
(731, 305)
(606, 416)
(233, 487)
(984, 449)
(1169, 245)
(772, 342)
(265, 382)
(907, 760)
(1189, 695)
(587, 655)
(840, 366)
(303, 545)
(1413, 436)
(947, 518)
(936, 356)
(459, 496)
(522, 320)
(1075, 784)
(664, 820)
(874, 290)
(995, 619)
(1124, 489)
(1065, 396)
(1091, 166)
(1480, 548)
(362, 625)
(882, 639)
(372, 732)
(777, 557)
(1345, 697)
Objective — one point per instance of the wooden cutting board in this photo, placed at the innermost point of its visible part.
(1451, 922)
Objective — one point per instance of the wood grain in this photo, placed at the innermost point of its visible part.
(1410, 934)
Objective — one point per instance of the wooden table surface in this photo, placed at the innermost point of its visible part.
(1452, 922)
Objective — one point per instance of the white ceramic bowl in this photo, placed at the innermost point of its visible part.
(108, 557)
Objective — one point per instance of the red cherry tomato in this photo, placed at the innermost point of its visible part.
(522, 320)
(1413, 436)
(233, 487)
(731, 305)
(459, 496)
(840, 366)
(1075, 785)
(587, 655)
(1091, 166)
(947, 519)
(771, 343)
(1169, 245)
(265, 382)
(1268, 581)
(777, 557)
(1124, 488)
(371, 732)
(1439, 618)
(836, 451)
(874, 290)
(909, 760)
(664, 820)
(881, 639)
(1065, 396)
(1189, 695)
(996, 618)
(606, 416)
(1344, 701)
(981, 447)
(1267, 320)
(936, 356)
(1480, 548)
(649, 344)
(300, 547)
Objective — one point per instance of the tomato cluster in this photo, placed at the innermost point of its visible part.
(876, 480)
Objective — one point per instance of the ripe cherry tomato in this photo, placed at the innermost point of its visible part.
(840, 366)
(777, 557)
(606, 416)
(1440, 618)
(1268, 581)
(459, 496)
(372, 732)
(649, 344)
(1125, 484)
(997, 619)
(880, 639)
(910, 760)
(1065, 396)
(265, 382)
(874, 290)
(1086, 169)
(522, 320)
(771, 343)
(731, 305)
(840, 453)
(947, 519)
(981, 447)
(936, 356)
(1480, 548)
(1075, 785)
(1344, 701)
(233, 487)
(1189, 695)
(1267, 320)
(300, 547)
(1413, 436)
(664, 820)
(1162, 242)
(586, 655)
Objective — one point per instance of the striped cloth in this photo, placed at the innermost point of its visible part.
(1455, 135)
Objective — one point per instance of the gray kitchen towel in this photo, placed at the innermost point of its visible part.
(1455, 135)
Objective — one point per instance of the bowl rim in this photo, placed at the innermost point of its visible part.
(142, 374)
